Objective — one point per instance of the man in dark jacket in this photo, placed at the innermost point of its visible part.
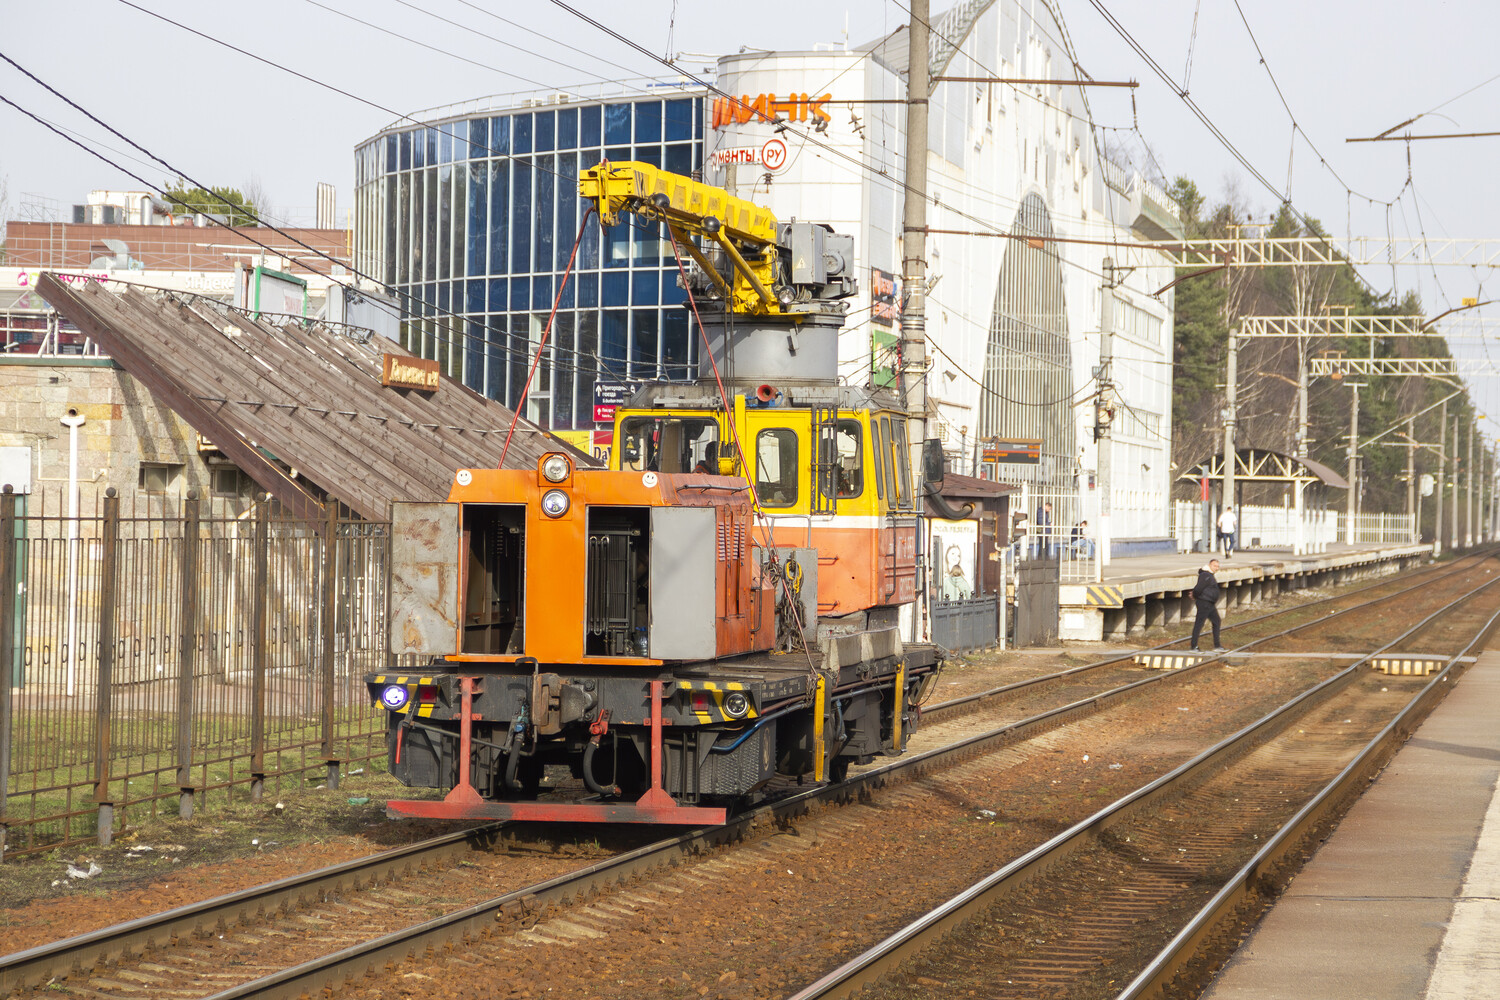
(1205, 599)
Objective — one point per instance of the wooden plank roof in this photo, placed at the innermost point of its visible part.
(305, 397)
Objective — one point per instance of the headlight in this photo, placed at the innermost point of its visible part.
(554, 503)
(394, 697)
(736, 704)
(555, 468)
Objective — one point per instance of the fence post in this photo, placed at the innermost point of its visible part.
(106, 662)
(187, 654)
(330, 633)
(8, 574)
(258, 651)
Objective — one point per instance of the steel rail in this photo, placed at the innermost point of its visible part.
(873, 964)
(1328, 802)
(38, 965)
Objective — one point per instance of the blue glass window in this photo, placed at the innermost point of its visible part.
(391, 160)
(546, 131)
(649, 154)
(520, 219)
(643, 343)
(569, 293)
(500, 135)
(474, 297)
(679, 116)
(521, 141)
(644, 288)
(588, 125)
(445, 141)
(614, 245)
(567, 208)
(546, 185)
(567, 128)
(588, 250)
(588, 291)
(430, 217)
(419, 149)
(432, 145)
(674, 344)
(479, 137)
(679, 158)
(474, 358)
(648, 121)
(615, 154)
(520, 357)
(613, 335)
(497, 295)
(520, 293)
(615, 289)
(616, 124)
(541, 293)
(442, 296)
(478, 221)
(499, 217)
(445, 222)
(405, 141)
(671, 295)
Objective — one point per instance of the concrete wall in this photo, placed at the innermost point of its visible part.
(124, 426)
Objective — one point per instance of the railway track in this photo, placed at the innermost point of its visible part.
(528, 904)
(1172, 870)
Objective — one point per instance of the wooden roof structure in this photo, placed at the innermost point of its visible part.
(307, 396)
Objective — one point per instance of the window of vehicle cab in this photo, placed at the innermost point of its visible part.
(843, 476)
(669, 444)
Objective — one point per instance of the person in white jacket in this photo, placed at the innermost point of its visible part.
(1228, 525)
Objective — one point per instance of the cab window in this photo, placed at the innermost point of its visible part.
(903, 462)
(669, 444)
(841, 442)
(893, 489)
(877, 432)
(776, 467)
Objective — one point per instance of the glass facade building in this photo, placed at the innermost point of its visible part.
(470, 221)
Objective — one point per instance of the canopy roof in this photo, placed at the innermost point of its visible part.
(304, 396)
(1260, 465)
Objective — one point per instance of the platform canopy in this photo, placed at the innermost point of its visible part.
(1259, 465)
(304, 408)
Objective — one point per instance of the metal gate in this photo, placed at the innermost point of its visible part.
(1036, 601)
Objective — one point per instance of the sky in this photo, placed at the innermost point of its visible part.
(1286, 93)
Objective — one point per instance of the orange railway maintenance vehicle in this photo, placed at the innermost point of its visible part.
(717, 610)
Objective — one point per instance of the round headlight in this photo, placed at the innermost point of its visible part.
(394, 697)
(555, 468)
(736, 704)
(554, 503)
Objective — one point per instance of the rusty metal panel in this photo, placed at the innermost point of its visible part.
(424, 578)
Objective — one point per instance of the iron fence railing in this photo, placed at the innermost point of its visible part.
(176, 653)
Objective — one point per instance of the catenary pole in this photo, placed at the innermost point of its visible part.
(1105, 443)
(1442, 474)
(1411, 476)
(1453, 531)
(1353, 452)
(914, 234)
(1231, 416)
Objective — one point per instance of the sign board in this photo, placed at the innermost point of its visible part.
(608, 395)
(885, 304)
(884, 358)
(1425, 484)
(772, 155)
(769, 108)
(398, 371)
(1017, 451)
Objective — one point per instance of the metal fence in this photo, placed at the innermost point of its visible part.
(177, 653)
(1262, 527)
(1058, 526)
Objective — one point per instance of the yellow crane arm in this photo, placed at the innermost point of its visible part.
(745, 230)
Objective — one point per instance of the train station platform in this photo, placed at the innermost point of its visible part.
(1146, 591)
(1402, 902)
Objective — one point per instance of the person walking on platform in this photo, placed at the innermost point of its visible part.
(1206, 600)
(1228, 525)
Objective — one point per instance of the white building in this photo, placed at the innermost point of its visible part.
(1012, 327)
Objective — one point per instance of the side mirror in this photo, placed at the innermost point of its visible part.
(932, 462)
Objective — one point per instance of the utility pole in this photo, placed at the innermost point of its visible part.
(1103, 437)
(914, 233)
(1457, 538)
(1411, 477)
(1353, 452)
(1442, 472)
(1231, 415)
(1469, 538)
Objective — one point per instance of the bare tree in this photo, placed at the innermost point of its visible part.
(256, 194)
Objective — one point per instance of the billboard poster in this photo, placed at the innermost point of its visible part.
(885, 304)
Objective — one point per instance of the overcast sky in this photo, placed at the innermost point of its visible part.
(1346, 68)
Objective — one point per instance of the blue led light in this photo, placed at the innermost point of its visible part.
(394, 697)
